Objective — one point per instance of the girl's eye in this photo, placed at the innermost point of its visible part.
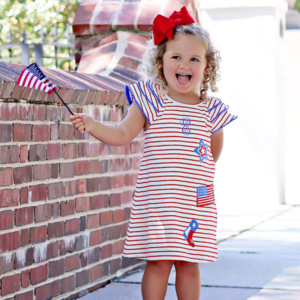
(175, 57)
(195, 59)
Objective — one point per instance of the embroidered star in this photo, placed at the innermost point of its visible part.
(202, 151)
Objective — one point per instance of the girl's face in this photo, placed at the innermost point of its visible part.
(184, 65)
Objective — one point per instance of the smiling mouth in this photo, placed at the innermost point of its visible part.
(188, 75)
(183, 78)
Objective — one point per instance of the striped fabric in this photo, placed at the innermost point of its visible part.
(33, 77)
(173, 214)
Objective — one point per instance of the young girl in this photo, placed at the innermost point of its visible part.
(173, 217)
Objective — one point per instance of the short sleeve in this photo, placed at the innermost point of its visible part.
(219, 114)
(143, 94)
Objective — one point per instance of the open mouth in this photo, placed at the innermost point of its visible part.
(183, 78)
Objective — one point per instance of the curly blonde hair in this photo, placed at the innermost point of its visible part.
(151, 66)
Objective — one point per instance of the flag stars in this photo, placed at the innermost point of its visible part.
(202, 150)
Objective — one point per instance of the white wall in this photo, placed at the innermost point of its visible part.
(248, 36)
(291, 94)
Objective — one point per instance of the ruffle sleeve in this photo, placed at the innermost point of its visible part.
(144, 95)
(219, 114)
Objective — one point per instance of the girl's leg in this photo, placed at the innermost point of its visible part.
(188, 282)
(155, 279)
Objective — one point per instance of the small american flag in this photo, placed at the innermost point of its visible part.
(33, 77)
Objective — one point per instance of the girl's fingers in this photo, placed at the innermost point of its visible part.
(81, 129)
(77, 126)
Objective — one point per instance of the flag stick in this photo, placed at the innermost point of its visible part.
(64, 102)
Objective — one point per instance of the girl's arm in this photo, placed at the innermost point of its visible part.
(217, 144)
(118, 135)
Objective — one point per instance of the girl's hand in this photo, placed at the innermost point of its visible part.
(82, 122)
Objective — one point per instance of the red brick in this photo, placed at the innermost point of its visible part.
(81, 167)
(117, 247)
(105, 218)
(71, 188)
(43, 213)
(44, 292)
(22, 174)
(10, 284)
(39, 274)
(118, 181)
(23, 153)
(55, 230)
(82, 204)
(24, 195)
(93, 221)
(38, 113)
(82, 277)
(25, 237)
(9, 241)
(118, 215)
(127, 164)
(95, 237)
(99, 201)
(126, 197)
(96, 272)
(55, 210)
(114, 265)
(41, 172)
(71, 226)
(55, 190)
(54, 171)
(56, 268)
(25, 278)
(67, 245)
(67, 284)
(6, 219)
(9, 154)
(70, 151)
(37, 152)
(25, 296)
(9, 198)
(54, 132)
(67, 208)
(5, 133)
(66, 132)
(7, 263)
(82, 186)
(54, 151)
(40, 133)
(105, 183)
(95, 166)
(24, 216)
(115, 165)
(38, 192)
(53, 113)
(67, 170)
(22, 133)
(106, 251)
(72, 262)
(38, 234)
(56, 288)
(6, 176)
(136, 163)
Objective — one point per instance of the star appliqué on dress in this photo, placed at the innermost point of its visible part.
(202, 151)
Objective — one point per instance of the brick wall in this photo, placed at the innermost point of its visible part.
(64, 201)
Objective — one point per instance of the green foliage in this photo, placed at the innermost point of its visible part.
(297, 5)
(32, 16)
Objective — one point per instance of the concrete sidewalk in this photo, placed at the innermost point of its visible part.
(259, 259)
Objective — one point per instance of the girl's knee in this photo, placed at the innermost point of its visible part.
(162, 265)
(186, 266)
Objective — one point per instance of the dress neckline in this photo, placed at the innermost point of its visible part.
(177, 102)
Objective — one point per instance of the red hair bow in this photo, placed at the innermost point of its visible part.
(163, 26)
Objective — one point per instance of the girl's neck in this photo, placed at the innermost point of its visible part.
(187, 98)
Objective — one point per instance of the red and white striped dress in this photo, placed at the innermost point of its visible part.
(173, 214)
